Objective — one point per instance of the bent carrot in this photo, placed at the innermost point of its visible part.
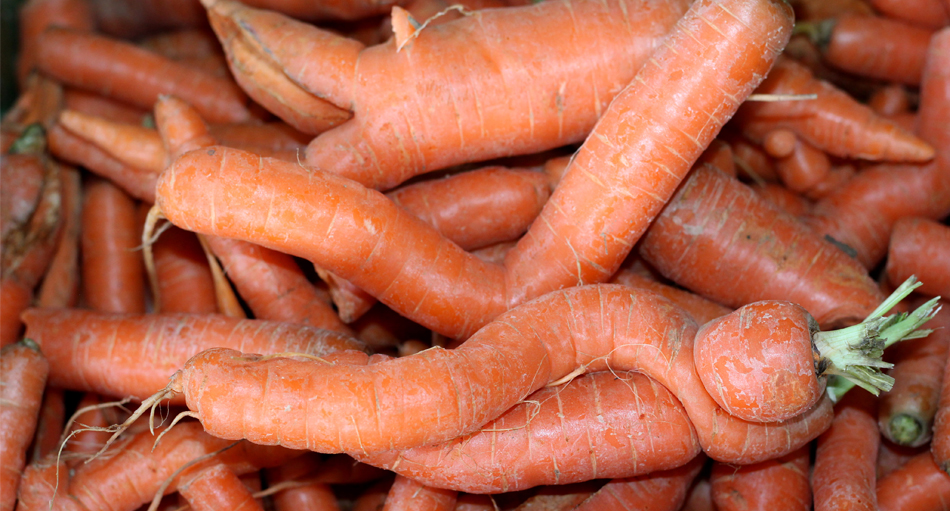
(143, 350)
(781, 483)
(24, 371)
(700, 309)
(844, 476)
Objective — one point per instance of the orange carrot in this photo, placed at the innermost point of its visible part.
(60, 287)
(94, 104)
(890, 100)
(804, 168)
(891, 456)
(312, 496)
(921, 247)
(411, 495)
(699, 308)
(719, 228)
(374, 498)
(36, 15)
(113, 274)
(750, 159)
(24, 370)
(836, 177)
(832, 122)
(184, 43)
(783, 199)
(919, 485)
(660, 491)
(143, 350)
(823, 9)
(844, 474)
(699, 497)
(719, 155)
(926, 13)
(779, 143)
(125, 72)
(184, 279)
(941, 433)
(122, 19)
(538, 442)
(83, 440)
(781, 483)
(214, 488)
(140, 146)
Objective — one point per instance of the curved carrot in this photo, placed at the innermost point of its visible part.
(781, 483)
(715, 228)
(539, 441)
(833, 122)
(921, 247)
(24, 371)
(143, 350)
(412, 495)
(844, 475)
(919, 485)
(135, 75)
(699, 308)
(660, 491)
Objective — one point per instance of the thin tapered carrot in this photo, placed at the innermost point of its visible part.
(406, 494)
(844, 475)
(862, 213)
(125, 72)
(659, 491)
(146, 349)
(113, 274)
(921, 247)
(60, 287)
(560, 108)
(890, 100)
(24, 371)
(699, 308)
(184, 279)
(216, 487)
(831, 122)
(919, 485)
(538, 442)
(926, 13)
(718, 228)
(140, 146)
(804, 168)
(782, 198)
(781, 483)
(121, 19)
(874, 47)
(93, 104)
(906, 412)
(36, 15)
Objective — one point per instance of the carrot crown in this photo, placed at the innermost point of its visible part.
(853, 354)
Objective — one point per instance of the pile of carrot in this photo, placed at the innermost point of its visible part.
(490, 255)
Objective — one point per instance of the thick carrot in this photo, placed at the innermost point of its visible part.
(833, 122)
(36, 15)
(921, 247)
(406, 494)
(919, 485)
(128, 73)
(875, 47)
(216, 487)
(133, 355)
(862, 213)
(699, 308)
(718, 228)
(844, 474)
(112, 271)
(521, 351)
(926, 13)
(184, 279)
(783, 199)
(24, 370)
(556, 436)
(660, 491)
(781, 483)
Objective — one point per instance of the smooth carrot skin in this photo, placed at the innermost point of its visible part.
(113, 274)
(783, 199)
(660, 491)
(272, 135)
(719, 228)
(559, 436)
(406, 494)
(93, 104)
(781, 483)
(877, 47)
(49, 424)
(921, 247)
(312, 496)
(16, 298)
(719, 155)
(906, 412)
(217, 487)
(184, 279)
(133, 355)
(125, 72)
(141, 146)
(890, 100)
(700, 309)
(36, 15)
(24, 371)
(779, 143)
(836, 177)
(699, 497)
(750, 159)
(919, 485)
(940, 447)
(523, 348)
(831, 122)
(844, 475)
(804, 168)
(926, 13)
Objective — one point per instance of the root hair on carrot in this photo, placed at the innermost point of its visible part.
(161, 490)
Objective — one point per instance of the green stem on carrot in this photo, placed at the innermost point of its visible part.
(905, 428)
(32, 141)
(853, 354)
(818, 32)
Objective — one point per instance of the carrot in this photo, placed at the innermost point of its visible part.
(822, 9)
(521, 342)
(941, 431)
(718, 228)
(312, 496)
(93, 104)
(143, 350)
(49, 424)
(699, 497)
(24, 371)
(408, 494)
(36, 15)
(926, 13)
(875, 47)
(563, 497)
(804, 168)
(836, 177)
(561, 108)
(719, 155)
(890, 100)
(783, 199)
(60, 287)
(183, 43)
(833, 122)
(22, 176)
(779, 143)
(699, 308)
(121, 19)
(140, 146)
(184, 278)
(660, 491)
(782, 377)
(128, 73)
(920, 246)
(216, 487)
(919, 485)
(781, 483)
(374, 498)
(112, 271)
(891, 456)
(276, 136)
(749, 158)
(906, 412)
(846, 458)
(538, 442)
(862, 213)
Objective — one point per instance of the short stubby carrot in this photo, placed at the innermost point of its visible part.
(133, 355)
(636, 427)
